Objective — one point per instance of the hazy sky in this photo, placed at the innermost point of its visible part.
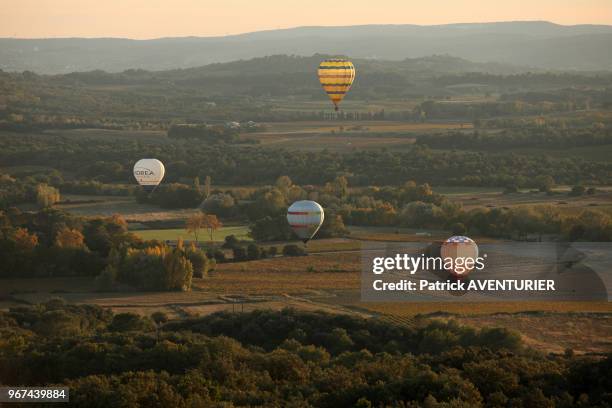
(165, 18)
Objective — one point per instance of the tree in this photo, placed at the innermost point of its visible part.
(69, 238)
(273, 202)
(126, 322)
(545, 183)
(338, 187)
(239, 254)
(196, 183)
(220, 204)
(24, 240)
(46, 196)
(292, 250)
(458, 228)
(283, 184)
(270, 229)
(207, 186)
(577, 190)
(199, 261)
(178, 270)
(159, 317)
(253, 252)
(194, 224)
(333, 226)
(230, 242)
(211, 223)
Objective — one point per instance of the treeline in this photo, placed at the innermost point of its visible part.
(515, 138)
(205, 133)
(51, 243)
(596, 121)
(410, 205)
(414, 206)
(471, 111)
(154, 267)
(235, 165)
(14, 191)
(286, 358)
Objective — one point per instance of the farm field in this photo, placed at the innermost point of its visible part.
(601, 201)
(132, 211)
(343, 135)
(241, 232)
(335, 141)
(360, 126)
(327, 279)
(330, 283)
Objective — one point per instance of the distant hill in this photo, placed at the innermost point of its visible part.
(535, 44)
(292, 75)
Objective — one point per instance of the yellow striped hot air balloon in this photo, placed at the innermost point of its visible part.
(336, 77)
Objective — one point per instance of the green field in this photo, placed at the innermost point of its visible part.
(240, 231)
(455, 190)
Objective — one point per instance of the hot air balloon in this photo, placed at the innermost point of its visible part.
(336, 77)
(305, 218)
(149, 173)
(457, 247)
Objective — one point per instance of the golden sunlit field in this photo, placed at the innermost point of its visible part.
(329, 279)
(361, 126)
(341, 135)
(127, 206)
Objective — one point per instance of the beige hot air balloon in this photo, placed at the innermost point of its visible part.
(149, 173)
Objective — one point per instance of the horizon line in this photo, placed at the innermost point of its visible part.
(301, 27)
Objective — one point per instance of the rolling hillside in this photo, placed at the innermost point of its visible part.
(536, 44)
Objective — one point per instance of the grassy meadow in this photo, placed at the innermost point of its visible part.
(241, 232)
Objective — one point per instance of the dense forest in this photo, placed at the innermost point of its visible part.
(257, 89)
(286, 358)
(112, 160)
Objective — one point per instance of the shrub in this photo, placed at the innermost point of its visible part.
(217, 255)
(253, 252)
(199, 261)
(230, 242)
(126, 322)
(239, 254)
(107, 279)
(293, 250)
(159, 317)
(458, 228)
(577, 190)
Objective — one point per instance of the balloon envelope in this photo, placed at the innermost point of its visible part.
(149, 173)
(459, 247)
(305, 218)
(336, 77)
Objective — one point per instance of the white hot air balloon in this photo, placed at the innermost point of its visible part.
(305, 218)
(149, 173)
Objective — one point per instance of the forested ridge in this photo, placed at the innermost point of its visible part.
(287, 358)
(255, 89)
